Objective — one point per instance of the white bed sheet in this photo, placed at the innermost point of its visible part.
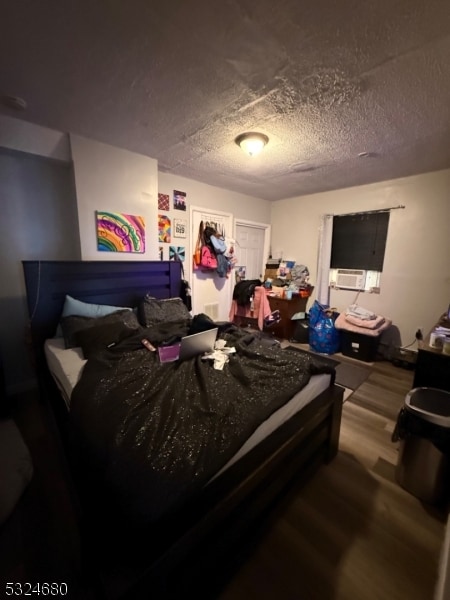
(66, 366)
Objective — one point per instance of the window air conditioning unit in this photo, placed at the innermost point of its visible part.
(350, 279)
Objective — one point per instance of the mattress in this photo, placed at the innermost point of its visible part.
(66, 366)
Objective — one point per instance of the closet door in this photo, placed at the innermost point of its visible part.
(250, 250)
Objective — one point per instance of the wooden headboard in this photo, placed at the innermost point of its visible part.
(119, 283)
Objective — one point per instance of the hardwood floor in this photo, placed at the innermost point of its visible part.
(352, 532)
(40, 541)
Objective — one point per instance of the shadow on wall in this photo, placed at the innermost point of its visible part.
(15, 345)
(390, 339)
(39, 221)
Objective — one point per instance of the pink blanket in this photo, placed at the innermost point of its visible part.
(342, 323)
(366, 323)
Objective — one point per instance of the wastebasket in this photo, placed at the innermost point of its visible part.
(423, 429)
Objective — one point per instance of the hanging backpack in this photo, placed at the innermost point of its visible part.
(208, 260)
(218, 244)
(197, 257)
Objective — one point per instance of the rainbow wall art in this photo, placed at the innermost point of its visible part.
(117, 232)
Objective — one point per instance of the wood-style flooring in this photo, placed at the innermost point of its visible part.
(350, 534)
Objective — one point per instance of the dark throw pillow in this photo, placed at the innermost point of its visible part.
(100, 337)
(152, 311)
(73, 324)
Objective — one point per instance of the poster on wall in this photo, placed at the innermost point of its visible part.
(179, 228)
(164, 228)
(163, 202)
(119, 232)
(240, 273)
(176, 253)
(179, 200)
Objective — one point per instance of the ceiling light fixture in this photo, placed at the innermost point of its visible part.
(252, 142)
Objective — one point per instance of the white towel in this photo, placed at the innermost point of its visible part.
(361, 313)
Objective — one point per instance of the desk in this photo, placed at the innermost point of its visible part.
(285, 328)
(432, 366)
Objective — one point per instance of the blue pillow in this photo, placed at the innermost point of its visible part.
(74, 307)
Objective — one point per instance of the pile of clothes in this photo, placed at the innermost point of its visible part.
(361, 320)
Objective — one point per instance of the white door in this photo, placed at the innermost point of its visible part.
(211, 294)
(250, 250)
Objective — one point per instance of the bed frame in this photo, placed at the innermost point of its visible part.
(210, 530)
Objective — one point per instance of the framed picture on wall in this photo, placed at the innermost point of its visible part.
(119, 232)
(176, 253)
(179, 228)
(164, 228)
(163, 202)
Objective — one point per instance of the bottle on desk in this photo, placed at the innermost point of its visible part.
(436, 340)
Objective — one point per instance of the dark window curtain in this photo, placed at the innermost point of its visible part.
(359, 241)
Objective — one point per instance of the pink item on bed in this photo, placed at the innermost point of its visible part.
(366, 323)
(342, 323)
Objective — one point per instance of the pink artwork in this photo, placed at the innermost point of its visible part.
(164, 228)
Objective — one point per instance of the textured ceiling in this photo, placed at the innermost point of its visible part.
(179, 80)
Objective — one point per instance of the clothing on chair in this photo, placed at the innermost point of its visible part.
(257, 308)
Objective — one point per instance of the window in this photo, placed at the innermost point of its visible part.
(357, 250)
(359, 241)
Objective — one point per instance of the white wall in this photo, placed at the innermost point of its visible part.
(39, 221)
(114, 180)
(16, 134)
(415, 283)
(206, 196)
(208, 289)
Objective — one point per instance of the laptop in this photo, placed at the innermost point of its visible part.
(190, 345)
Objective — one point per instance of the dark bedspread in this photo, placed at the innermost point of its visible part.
(151, 435)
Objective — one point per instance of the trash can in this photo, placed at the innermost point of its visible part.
(423, 429)
(301, 331)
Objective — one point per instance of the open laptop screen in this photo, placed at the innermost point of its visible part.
(190, 345)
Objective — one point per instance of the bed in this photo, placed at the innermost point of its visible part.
(203, 527)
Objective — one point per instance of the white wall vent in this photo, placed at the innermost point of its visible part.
(350, 279)
(212, 310)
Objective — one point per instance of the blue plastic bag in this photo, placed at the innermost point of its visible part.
(323, 335)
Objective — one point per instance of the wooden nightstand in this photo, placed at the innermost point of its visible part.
(285, 328)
